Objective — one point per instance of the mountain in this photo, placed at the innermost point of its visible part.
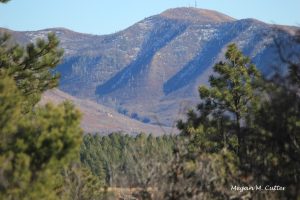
(151, 71)
(100, 119)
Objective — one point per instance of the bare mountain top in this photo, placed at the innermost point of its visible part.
(196, 15)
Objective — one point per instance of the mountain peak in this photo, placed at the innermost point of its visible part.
(196, 15)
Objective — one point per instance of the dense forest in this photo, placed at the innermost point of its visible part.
(241, 142)
(243, 134)
(126, 161)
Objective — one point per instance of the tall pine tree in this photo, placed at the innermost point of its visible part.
(36, 146)
(231, 96)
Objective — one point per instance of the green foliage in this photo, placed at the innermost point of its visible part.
(79, 183)
(243, 134)
(10, 101)
(4, 1)
(255, 121)
(294, 72)
(246, 133)
(206, 177)
(232, 96)
(126, 161)
(34, 147)
(31, 67)
(272, 150)
(233, 89)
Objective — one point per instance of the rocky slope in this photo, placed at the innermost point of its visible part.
(151, 70)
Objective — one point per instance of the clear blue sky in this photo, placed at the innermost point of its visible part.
(108, 16)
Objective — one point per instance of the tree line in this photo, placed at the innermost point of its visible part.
(244, 132)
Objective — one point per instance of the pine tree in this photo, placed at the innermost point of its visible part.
(4, 1)
(266, 125)
(31, 67)
(34, 147)
(225, 104)
(272, 145)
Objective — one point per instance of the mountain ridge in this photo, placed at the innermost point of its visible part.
(152, 69)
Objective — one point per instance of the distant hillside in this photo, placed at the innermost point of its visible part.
(100, 119)
(151, 70)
